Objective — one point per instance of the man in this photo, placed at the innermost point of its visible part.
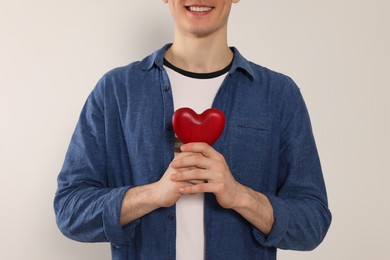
(258, 188)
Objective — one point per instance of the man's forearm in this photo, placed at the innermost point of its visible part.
(138, 202)
(256, 208)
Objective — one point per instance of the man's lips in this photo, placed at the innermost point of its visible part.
(199, 8)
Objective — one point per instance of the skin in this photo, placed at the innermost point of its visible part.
(200, 45)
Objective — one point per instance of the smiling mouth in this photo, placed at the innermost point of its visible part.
(199, 9)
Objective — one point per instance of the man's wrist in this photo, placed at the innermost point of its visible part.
(255, 207)
(244, 197)
(138, 202)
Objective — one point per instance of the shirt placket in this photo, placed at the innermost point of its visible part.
(168, 157)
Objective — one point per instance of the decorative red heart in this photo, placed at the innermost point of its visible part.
(192, 127)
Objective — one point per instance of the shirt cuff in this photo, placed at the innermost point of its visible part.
(279, 228)
(115, 233)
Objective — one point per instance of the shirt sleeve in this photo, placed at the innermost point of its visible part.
(86, 208)
(301, 213)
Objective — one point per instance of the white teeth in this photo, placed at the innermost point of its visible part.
(200, 9)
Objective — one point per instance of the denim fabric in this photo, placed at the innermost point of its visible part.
(124, 138)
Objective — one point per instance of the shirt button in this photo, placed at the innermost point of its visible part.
(171, 216)
(169, 127)
(166, 88)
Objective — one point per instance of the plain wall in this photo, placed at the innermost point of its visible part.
(53, 52)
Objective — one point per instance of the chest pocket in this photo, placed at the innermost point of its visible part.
(247, 149)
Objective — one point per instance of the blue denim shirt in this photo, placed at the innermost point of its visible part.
(124, 138)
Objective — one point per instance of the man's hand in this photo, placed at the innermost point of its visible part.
(167, 191)
(141, 200)
(201, 162)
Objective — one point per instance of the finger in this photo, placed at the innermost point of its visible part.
(178, 157)
(183, 154)
(195, 174)
(203, 148)
(185, 182)
(194, 182)
(193, 160)
(201, 188)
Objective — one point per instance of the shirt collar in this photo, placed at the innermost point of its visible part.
(239, 62)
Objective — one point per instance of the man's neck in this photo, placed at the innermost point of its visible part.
(199, 55)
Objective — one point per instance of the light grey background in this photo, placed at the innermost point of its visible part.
(53, 52)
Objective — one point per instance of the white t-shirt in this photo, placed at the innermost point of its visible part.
(196, 91)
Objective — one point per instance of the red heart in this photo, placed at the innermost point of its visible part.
(192, 127)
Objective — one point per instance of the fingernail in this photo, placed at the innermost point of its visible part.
(183, 147)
